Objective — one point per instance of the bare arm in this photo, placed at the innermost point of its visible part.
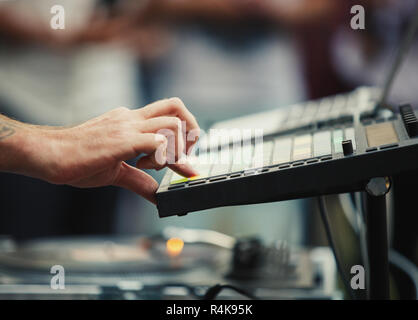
(93, 154)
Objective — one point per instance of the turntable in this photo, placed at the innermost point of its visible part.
(179, 264)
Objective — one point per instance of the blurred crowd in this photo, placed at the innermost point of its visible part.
(224, 58)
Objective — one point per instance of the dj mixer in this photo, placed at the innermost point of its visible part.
(333, 145)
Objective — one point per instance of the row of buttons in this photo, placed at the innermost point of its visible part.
(197, 180)
(274, 152)
(319, 110)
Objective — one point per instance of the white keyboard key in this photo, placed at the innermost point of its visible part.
(302, 147)
(322, 143)
(282, 150)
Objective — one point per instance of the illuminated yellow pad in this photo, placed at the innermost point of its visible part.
(175, 180)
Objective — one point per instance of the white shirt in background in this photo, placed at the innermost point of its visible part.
(64, 88)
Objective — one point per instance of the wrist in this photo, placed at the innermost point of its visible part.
(11, 140)
(33, 152)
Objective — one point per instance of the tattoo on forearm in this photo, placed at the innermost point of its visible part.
(6, 130)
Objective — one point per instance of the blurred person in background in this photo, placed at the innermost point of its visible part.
(364, 57)
(59, 77)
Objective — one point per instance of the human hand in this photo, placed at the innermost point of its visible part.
(93, 154)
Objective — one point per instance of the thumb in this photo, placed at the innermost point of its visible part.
(137, 181)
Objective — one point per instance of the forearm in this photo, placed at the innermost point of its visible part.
(93, 154)
(11, 145)
(22, 146)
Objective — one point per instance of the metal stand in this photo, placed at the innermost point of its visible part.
(376, 238)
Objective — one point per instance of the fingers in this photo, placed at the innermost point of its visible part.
(137, 181)
(184, 169)
(176, 108)
(171, 153)
(170, 107)
(149, 162)
(171, 128)
(150, 143)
